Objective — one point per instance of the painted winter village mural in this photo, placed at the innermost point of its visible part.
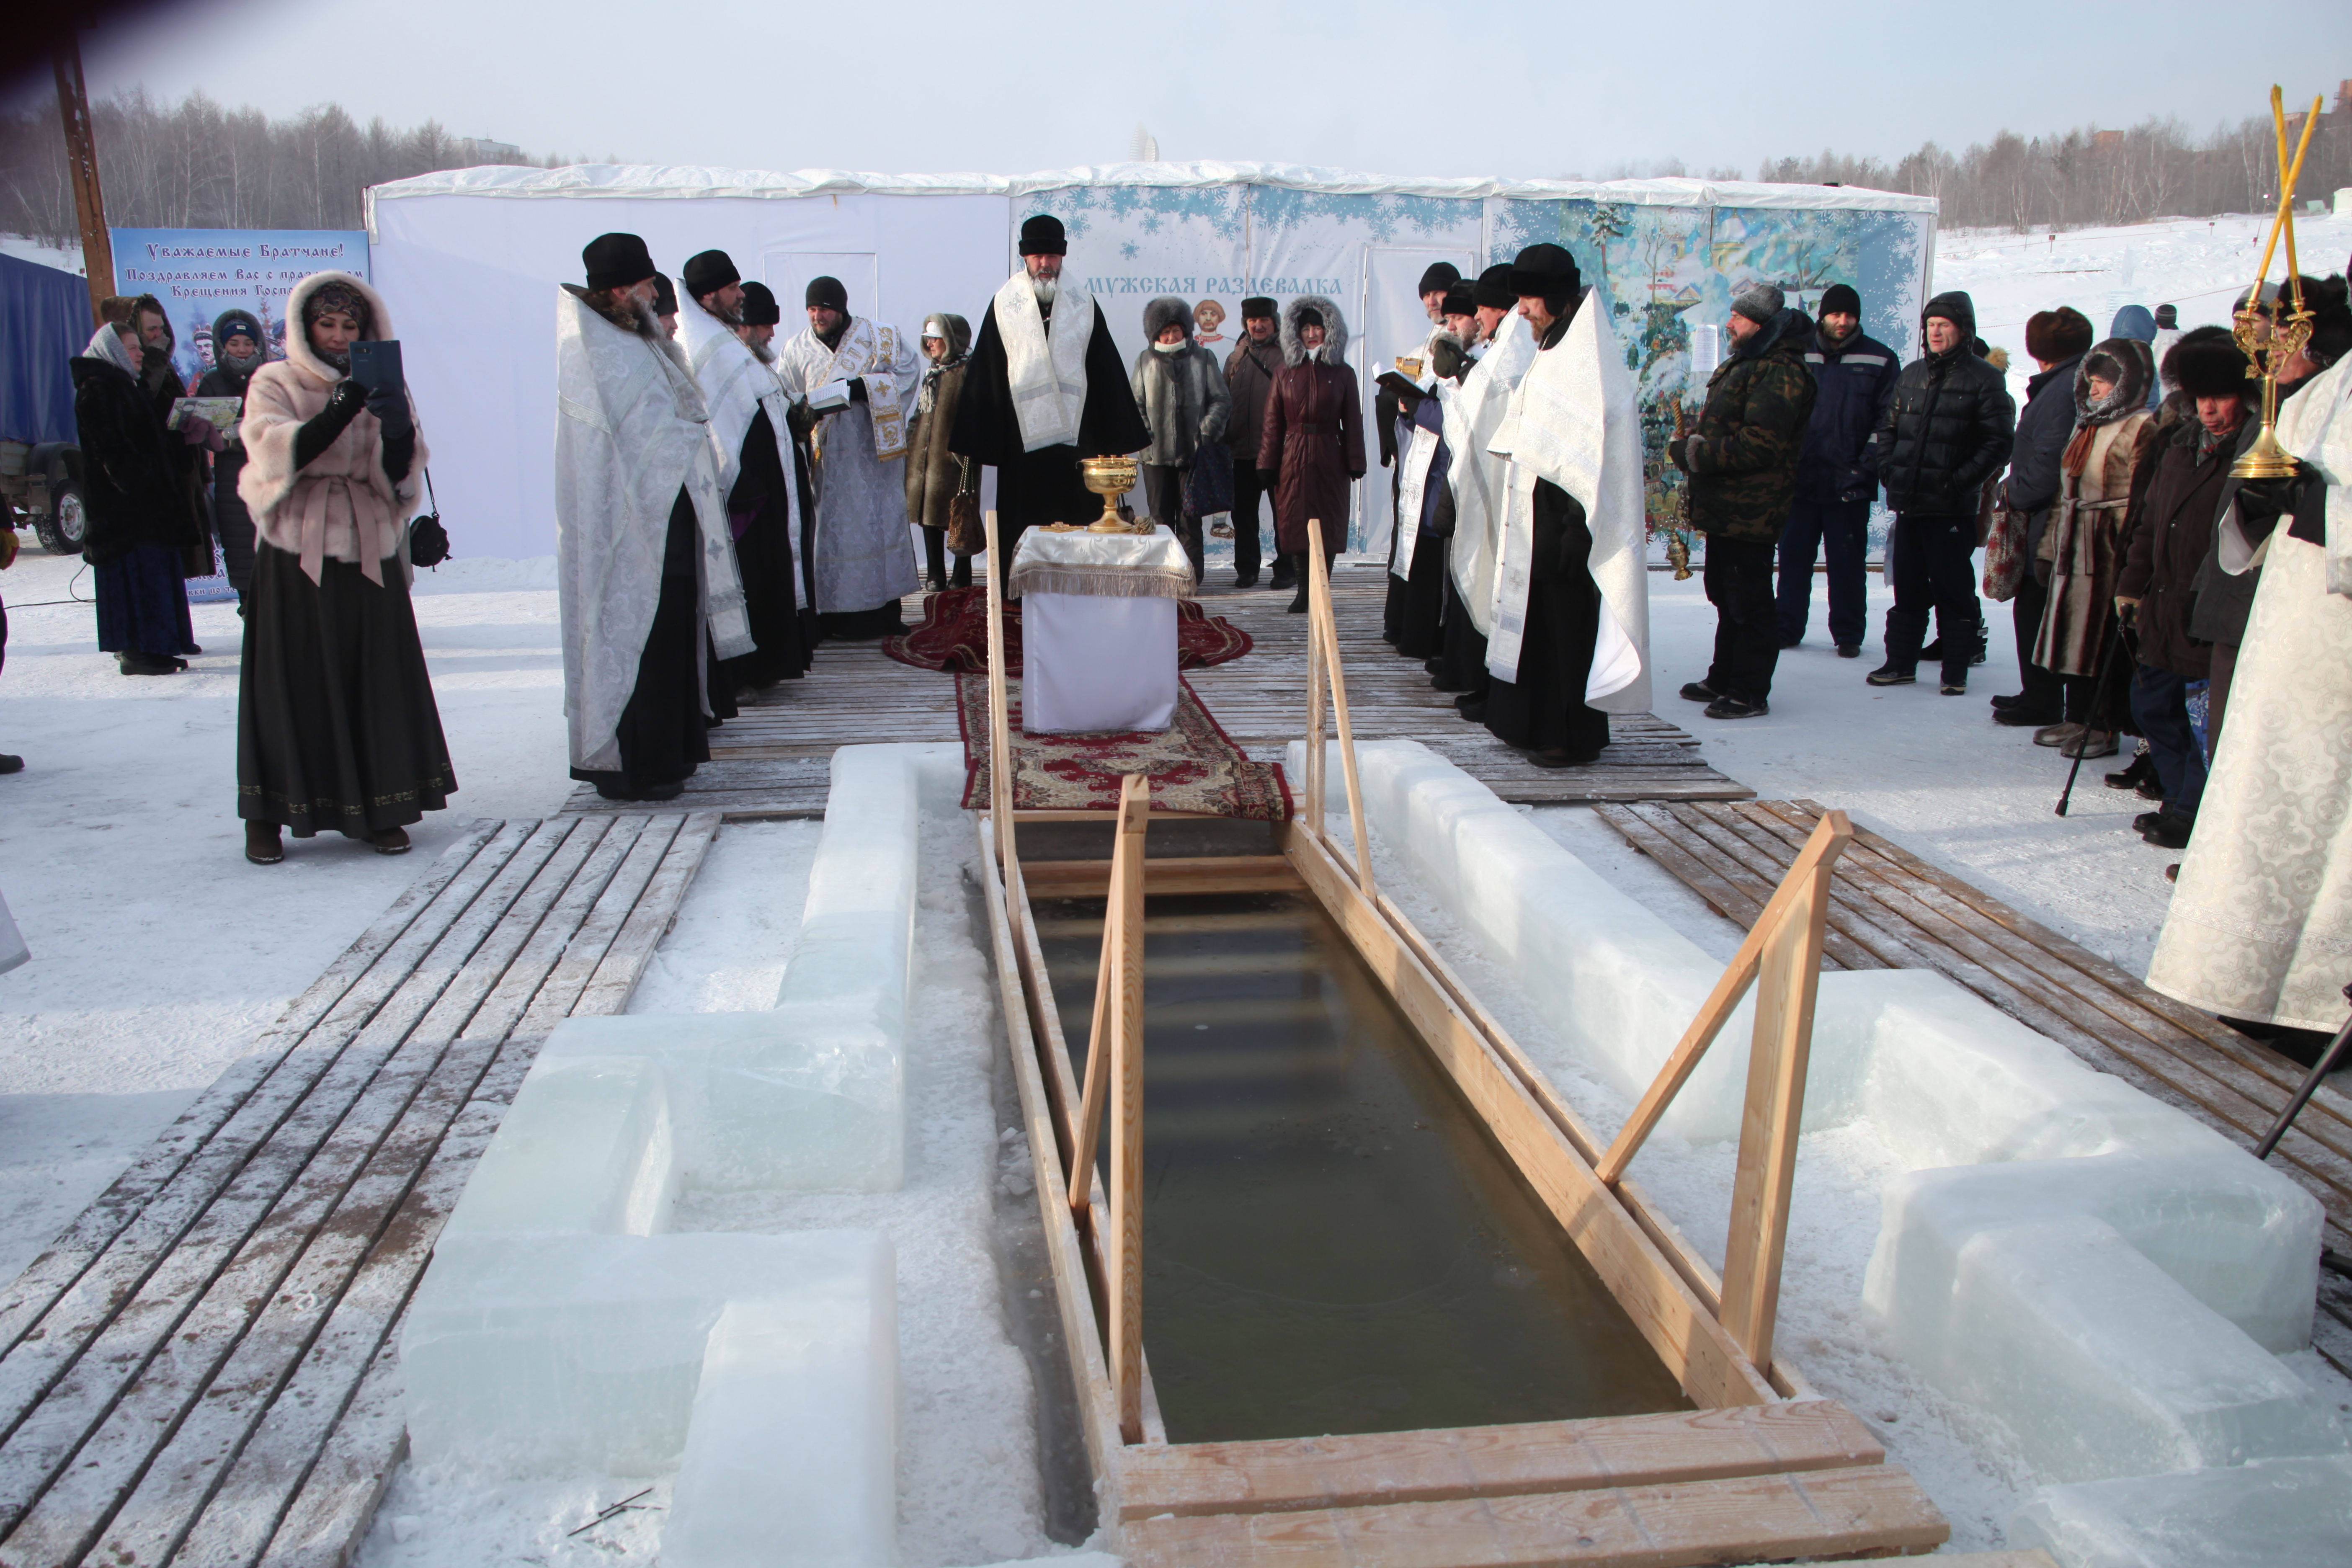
(1666, 274)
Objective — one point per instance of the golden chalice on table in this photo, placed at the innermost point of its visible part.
(1109, 478)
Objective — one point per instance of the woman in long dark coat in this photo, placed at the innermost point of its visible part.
(336, 726)
(141, 520)
(1312, 448)
(239, 348)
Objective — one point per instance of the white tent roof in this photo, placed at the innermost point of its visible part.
(663, 179)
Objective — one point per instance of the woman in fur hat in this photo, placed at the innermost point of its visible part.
(935, 476)
(239, 348)
(141, 518)
(1312, 446)
(336, 724)
(1184, 399)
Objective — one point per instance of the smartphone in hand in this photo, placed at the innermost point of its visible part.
(375, 364)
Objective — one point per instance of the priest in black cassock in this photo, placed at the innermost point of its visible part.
(1046, 388)
(731, 361)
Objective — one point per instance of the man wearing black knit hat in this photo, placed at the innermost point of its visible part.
(1571, 613)
(761, 314)
(848, 377)
(1046, 388)
(1250, 369)
(757, 466)
(1853, 377)
(645, 570)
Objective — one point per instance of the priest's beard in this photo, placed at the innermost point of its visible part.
(764, 353)
(732, 316)
(1044, 289)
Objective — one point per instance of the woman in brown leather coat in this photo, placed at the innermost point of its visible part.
(1312, 448)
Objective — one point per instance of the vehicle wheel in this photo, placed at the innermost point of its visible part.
(64, 526)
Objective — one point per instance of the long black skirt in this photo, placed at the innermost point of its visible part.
(661, 734)
(1417, 604)
(143, 604)
(336, 726)
(1464, 658)
(1544, 709)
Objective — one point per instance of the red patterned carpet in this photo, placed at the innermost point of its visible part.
(953, 636)
(1193, 766)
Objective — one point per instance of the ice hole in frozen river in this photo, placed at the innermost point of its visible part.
(2088, 1268)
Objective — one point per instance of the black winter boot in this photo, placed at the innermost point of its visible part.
(1297, 564)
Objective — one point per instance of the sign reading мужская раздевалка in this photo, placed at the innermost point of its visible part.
(198, 273)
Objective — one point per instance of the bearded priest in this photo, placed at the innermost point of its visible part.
(847, 378)
(1570, 638)
(731, 357)
(641, 558)
(1046, 388)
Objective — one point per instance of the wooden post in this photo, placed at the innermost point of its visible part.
(1082, 1149)
(1314, 780)
(81, 163)
(1830, 837)
(1326, 630)
(1788, 979)
(1126, 1053)
(999, 710)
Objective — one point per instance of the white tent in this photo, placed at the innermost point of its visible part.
(469, 260)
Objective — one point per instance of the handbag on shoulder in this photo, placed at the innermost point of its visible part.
(428, 542)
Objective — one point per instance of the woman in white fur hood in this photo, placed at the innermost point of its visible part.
(336, 724)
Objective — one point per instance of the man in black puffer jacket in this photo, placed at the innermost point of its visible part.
(2057, 340)
(1945, 434)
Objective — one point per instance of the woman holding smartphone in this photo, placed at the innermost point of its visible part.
(336, 724)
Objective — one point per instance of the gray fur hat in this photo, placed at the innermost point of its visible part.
(1335, 329)
(1166, 311)
(1760, 303)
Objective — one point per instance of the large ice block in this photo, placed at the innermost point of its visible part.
(791, 1453)
(2277, 1513)
(538, 1354)
(588, 1147)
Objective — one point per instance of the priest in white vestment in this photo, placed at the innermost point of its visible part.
(645, 572)
(1571, 643)
(1046, 388)
(2261, 925)
(752, 440)
(847, 378)
(1503, 349)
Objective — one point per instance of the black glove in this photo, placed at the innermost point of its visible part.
(390, 407)
(1676, 453)
(344, 406)
(1269, 478)
(858, 389)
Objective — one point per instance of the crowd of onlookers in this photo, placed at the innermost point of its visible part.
(2096, 506)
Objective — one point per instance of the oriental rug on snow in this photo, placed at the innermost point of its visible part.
(1193, 764)
(953, 636)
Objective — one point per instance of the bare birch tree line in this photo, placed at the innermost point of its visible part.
(195, 165)
(2088, 177)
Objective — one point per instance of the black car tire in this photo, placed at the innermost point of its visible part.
(65, 525)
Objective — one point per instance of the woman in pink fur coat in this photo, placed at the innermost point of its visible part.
(336, 724)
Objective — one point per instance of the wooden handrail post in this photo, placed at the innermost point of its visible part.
(1314, 780)
(1830, 837)
(1324, 629)
(1788, 980)
(1125, 1021)
(1081, 1175)
(1000, 712)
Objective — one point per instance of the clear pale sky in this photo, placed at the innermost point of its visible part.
(1504, 88)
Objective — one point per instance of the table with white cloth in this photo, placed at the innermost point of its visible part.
(1098, 629)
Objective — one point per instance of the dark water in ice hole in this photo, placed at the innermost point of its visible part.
(1332, 1243)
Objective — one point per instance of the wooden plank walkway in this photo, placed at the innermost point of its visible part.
(202, 1368)
(771, 759)
(1890, 910)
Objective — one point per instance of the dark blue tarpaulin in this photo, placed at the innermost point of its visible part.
(44, 321)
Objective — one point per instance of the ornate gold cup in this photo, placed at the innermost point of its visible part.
(1109, 478)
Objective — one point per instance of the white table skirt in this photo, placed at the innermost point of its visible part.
(1092, 662)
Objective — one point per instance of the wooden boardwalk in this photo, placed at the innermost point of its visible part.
(773, 759)
(1890, 910)
(202, 1368)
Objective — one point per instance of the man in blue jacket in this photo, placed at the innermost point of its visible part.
(1837, 477)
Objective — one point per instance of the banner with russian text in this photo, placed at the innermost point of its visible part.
(198, 273)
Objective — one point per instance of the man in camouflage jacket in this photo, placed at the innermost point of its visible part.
(1742, 468)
